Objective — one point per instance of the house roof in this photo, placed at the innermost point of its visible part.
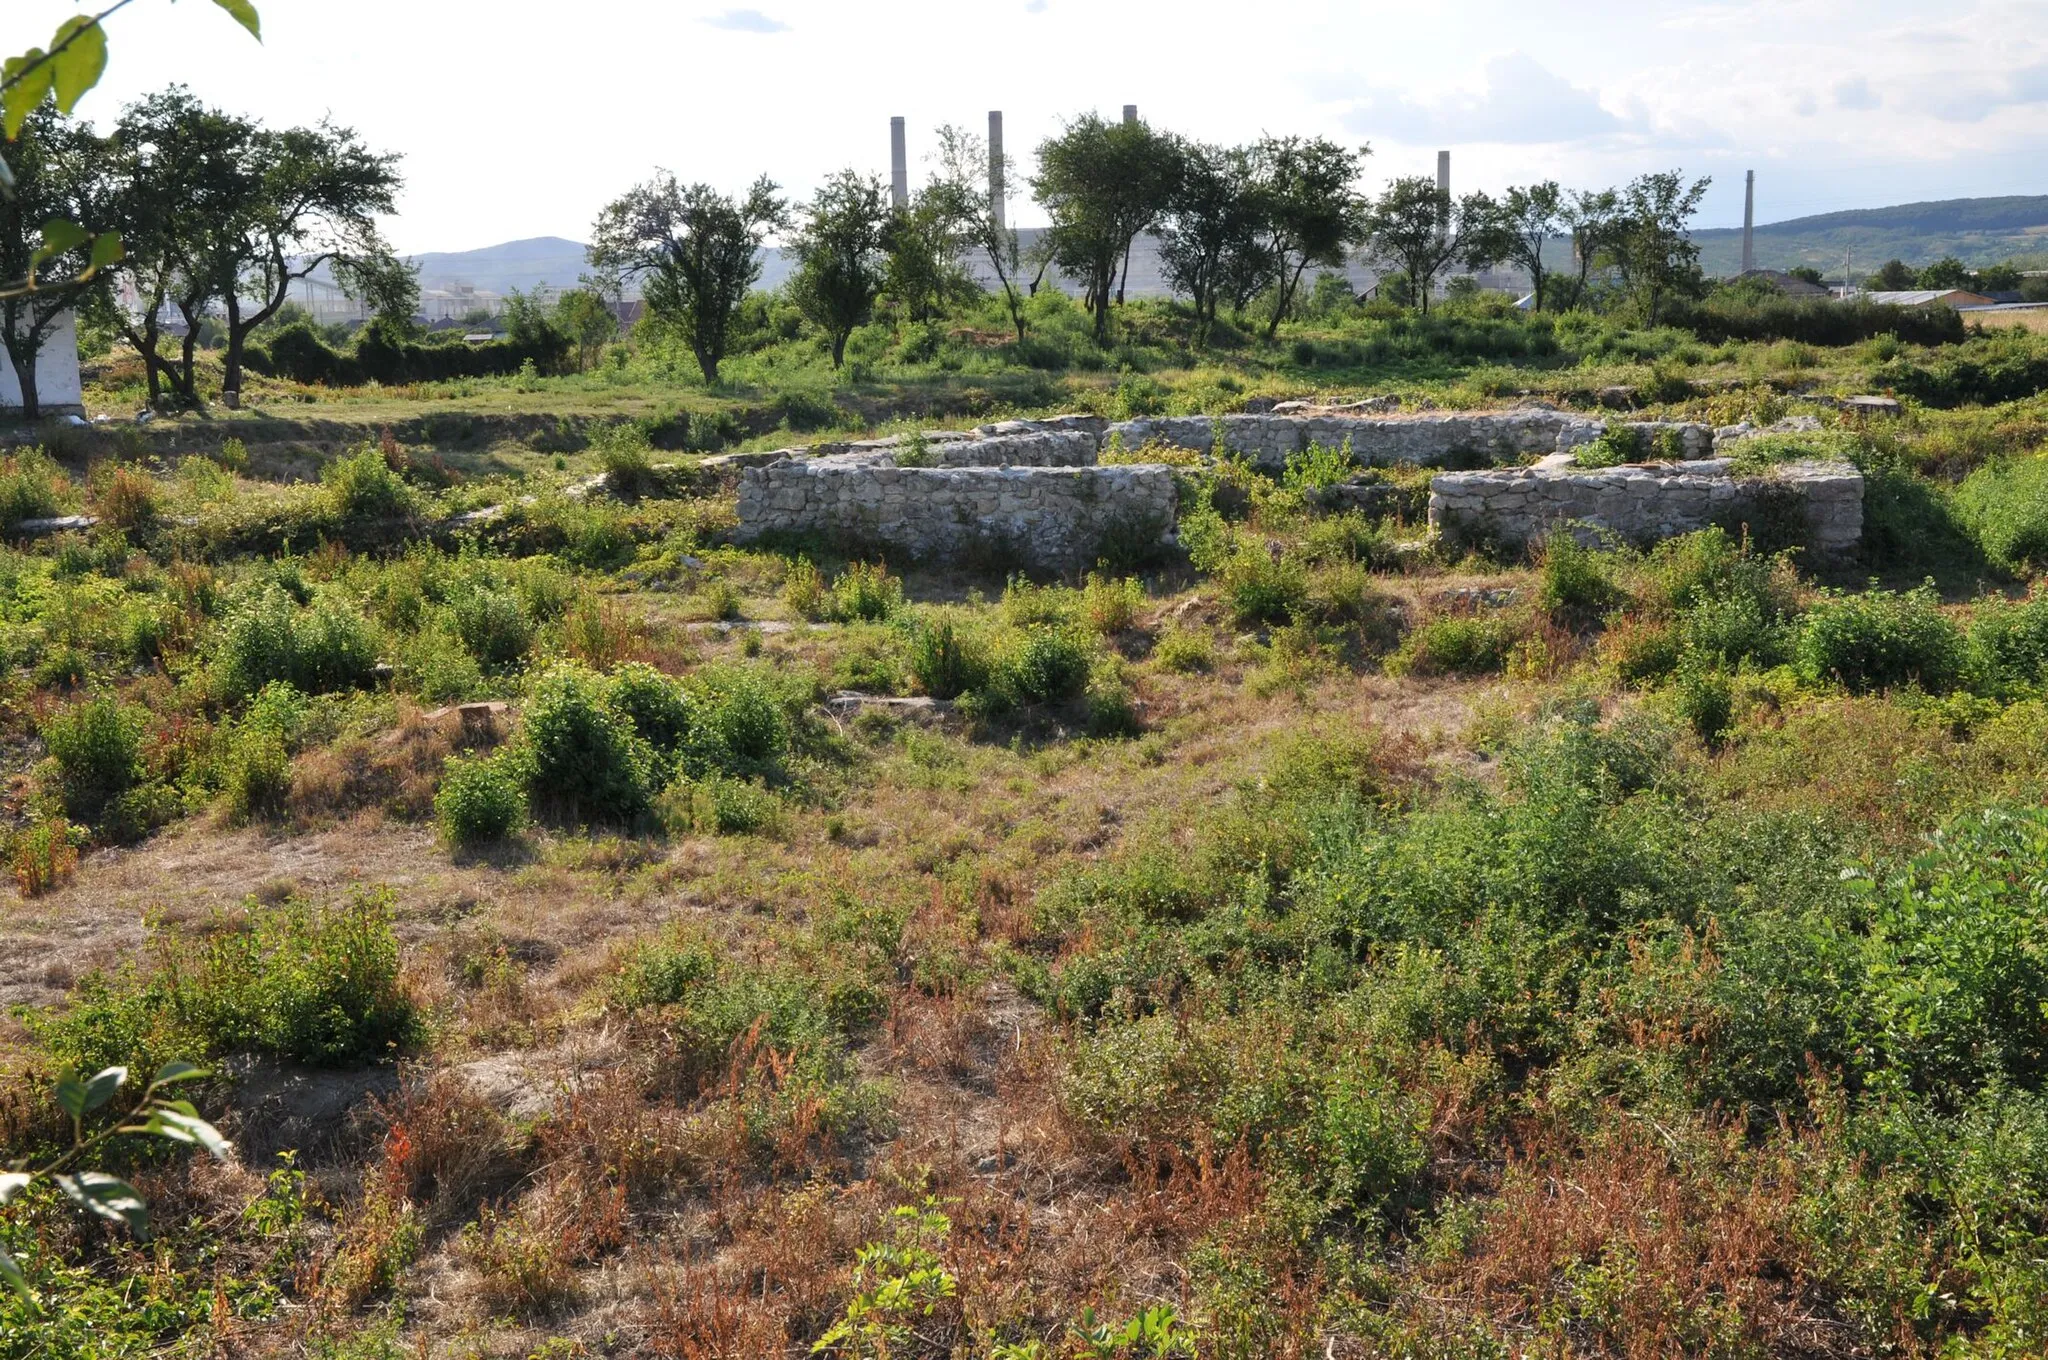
(1925, 297)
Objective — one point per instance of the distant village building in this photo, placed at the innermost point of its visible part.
(1786, 284)
(59, 392)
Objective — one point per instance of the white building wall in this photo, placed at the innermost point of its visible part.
(58, 388)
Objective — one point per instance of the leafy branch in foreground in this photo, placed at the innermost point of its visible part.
(72, 64)
(98, 1192)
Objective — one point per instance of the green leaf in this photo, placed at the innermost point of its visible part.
(101, 1088)
(180, 1123)
(10, 1271)
(107, 249)
(177, 1069)
(80, 65)
(245, 15)
(32, 78)
(108, 1196)
(71, 1095)
(13, 1183)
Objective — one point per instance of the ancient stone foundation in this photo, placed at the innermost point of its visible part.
(1823, 502)
(1055, 518)
(1034, 492)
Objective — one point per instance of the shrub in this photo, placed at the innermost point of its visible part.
(1706, 701)
(1110, 605)
(1732, 629)
(2009, 645)
(1186, 651)
(98, 750)
(626, 457)
(362, 487)
(1262, 588)
(30, 484)
(1318, 466)
(720, 806)
(129, 499)
(1577, 586)
(2005, 505)
(1879, 639)
(1457, 644)
(256, 775)
(1961, 975)
(1046, 665)
(480, 802)
(320, 650)
(295, 982)
(42, 857)
(945, 660)
(493, 627)
(803, 590)
(579, 756)
(866, 594)
(745, 721)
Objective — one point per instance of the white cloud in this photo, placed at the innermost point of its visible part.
(1522, 103)
(747, 21)
(1855, 93)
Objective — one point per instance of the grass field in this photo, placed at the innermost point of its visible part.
(607, 940)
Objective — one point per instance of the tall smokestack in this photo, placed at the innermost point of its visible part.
(1130, 113)
(995, 166)
(1749, 224)
(1443, 172)
(899, 165)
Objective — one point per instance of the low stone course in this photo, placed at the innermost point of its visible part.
(1648, 503)
(1434, 440)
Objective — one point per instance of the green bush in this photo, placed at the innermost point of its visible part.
(579, 757)
(493, 627)
(256, 771)
(2005, 505)
(659, 710)
(361, 487)
(1960, 974)
(98, 750)
(29, 483)
(865, 594)
(1186, 651)
(1577, 583)
(747, 723)
(1457, 644)
(1880, 639)
(945, 659)
(479, 802)
(2009, 646)
(1262, 588)
(1706, 701)
(1043, 666)
(294, 982)
(325, 648)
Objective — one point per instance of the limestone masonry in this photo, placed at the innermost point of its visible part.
(1036, 492)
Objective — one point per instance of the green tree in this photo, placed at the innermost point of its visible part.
(1590, 217)
(300, 199)
(696, 252)
(388, 286)
(839, 256)
(1420, 230)
(924, 243)
(1998, 278)
(1516, 229)
(1652, 242)
(1102, 183)
(1310, 213)
(1213, 234)
(962, 158)
(1893, 276)
(588, 320)
(1945, 273)
(53, 161)
(168, 156)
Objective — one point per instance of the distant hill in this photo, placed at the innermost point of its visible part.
(1977, 231)
(523, 265)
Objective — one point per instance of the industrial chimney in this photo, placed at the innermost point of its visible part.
(1443, 172)
(1130, 113)
(899, 165)
(995, 166)
(1749, 224)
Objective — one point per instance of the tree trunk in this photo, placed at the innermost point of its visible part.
(839, 348)
(1285, 300)
(708, 363)
(231, 367)
(25, 375)
(1125, 276)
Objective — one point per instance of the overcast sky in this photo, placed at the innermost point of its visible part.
(521, 118)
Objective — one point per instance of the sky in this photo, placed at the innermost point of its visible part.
(521, 118)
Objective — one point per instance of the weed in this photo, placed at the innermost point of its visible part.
(480, 802)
